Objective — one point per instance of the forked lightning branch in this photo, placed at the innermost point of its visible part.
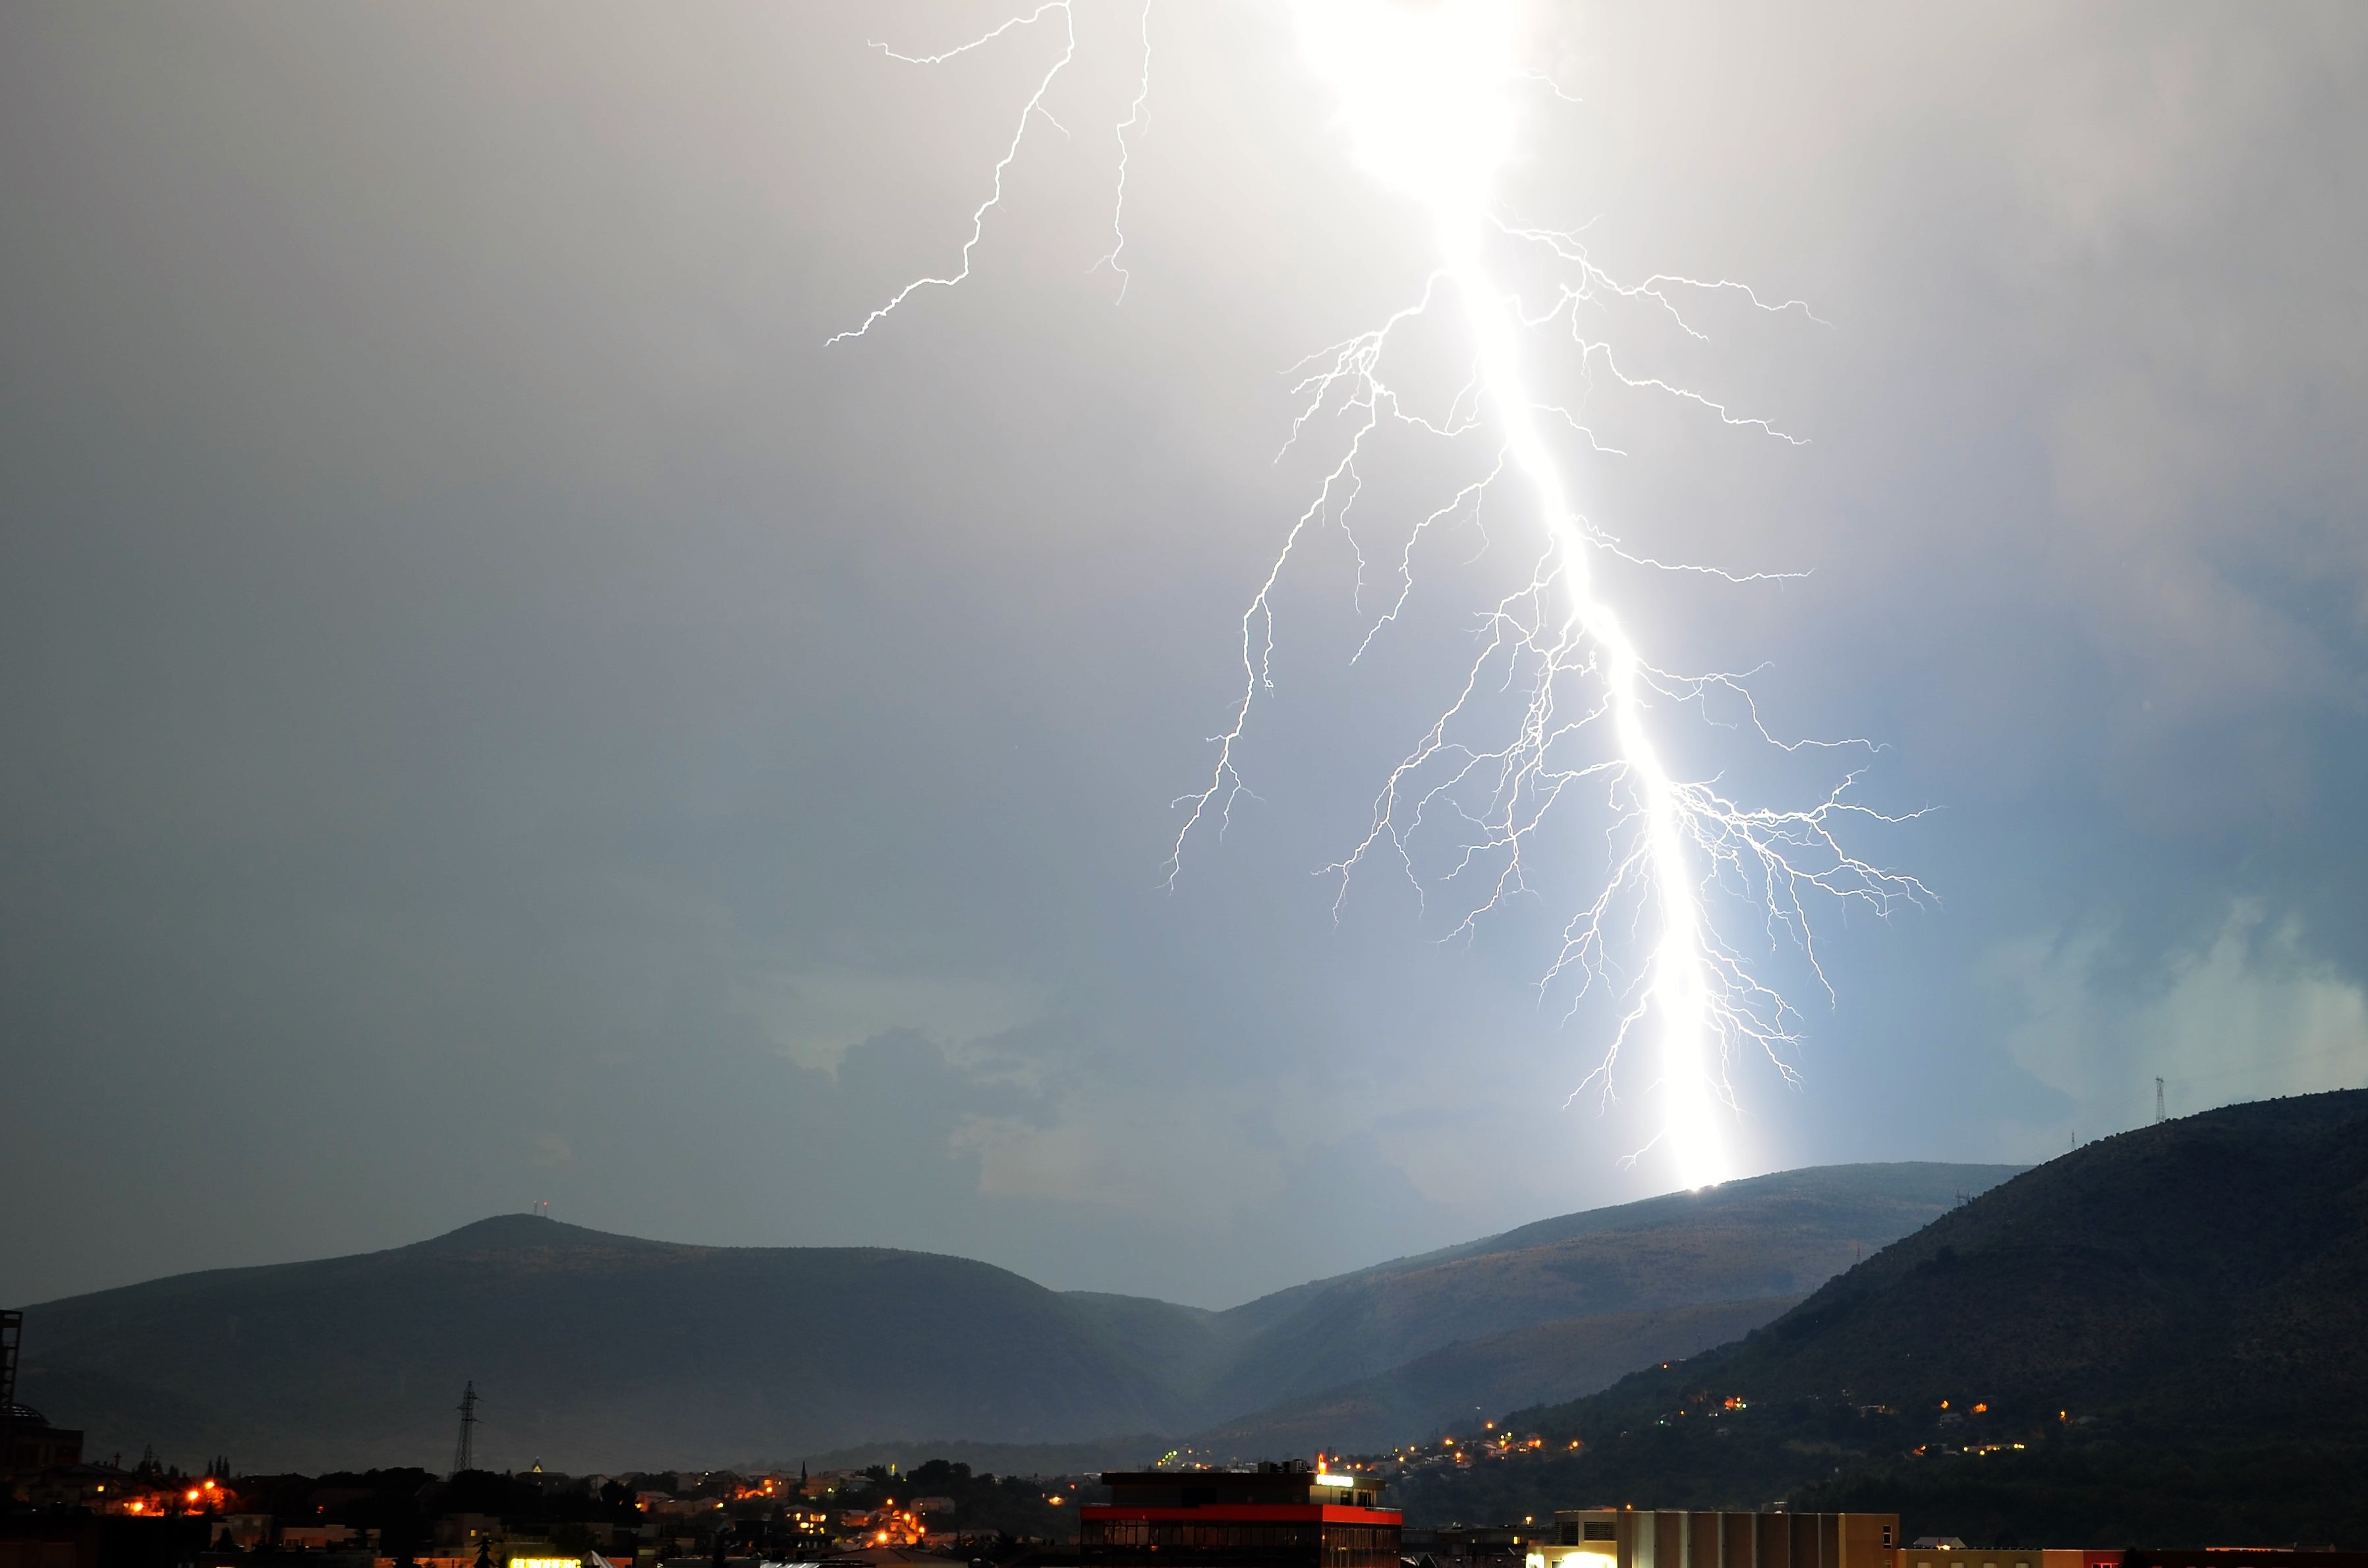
(1427, 98)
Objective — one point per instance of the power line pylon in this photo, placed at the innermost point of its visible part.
(12, 1331)
(2158, 1117)
(464, 1452)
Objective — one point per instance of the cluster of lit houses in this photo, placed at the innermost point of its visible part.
(1275, 1515)
(1183, 1514)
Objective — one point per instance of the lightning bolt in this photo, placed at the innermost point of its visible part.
(1029, 113)
(1425, 97)
(1134, 118)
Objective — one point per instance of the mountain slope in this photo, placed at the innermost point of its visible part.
(1453, 1388)
(594, 1351)
(1186, 1349)
(2212, 1269)
(590, 1349)
(1773, 1235)
(2142, 1316)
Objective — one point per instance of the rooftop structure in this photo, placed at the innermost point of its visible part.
(27, 1441)
(1274, 1516)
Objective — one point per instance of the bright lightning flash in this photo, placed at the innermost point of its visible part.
(1426, 97)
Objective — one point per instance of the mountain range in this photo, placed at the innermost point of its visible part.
(2159, 1338)
(594, 1351)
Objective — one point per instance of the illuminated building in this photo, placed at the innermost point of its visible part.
(1274, 1516)
(1660, 1537)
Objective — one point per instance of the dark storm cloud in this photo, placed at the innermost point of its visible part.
(496, 712)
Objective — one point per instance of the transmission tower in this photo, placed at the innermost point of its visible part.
(2158, 1117)
(464, 1452)
(12, 1329)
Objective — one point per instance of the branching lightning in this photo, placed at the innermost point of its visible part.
(1027, 113)
(1134, 118)
(1426, 99)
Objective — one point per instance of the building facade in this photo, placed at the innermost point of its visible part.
(27, 1442)
(1275, 1517)
(1662, 1538)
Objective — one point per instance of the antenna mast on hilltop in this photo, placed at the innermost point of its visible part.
(2158, 1117)
(464, 1452)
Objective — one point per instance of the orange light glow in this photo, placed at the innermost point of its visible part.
(1979, 1408)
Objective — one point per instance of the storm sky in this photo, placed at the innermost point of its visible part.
(496, 712)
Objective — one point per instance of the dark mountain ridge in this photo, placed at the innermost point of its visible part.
(596, 1350)
(2210, 1269)
(2112, 1333)
(589, 1345)
(1767, 1236)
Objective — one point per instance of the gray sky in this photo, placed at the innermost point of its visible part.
(496, 712)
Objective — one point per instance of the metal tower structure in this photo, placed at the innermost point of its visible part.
(12, 1330)
(2158, 1117)
(464, 1452)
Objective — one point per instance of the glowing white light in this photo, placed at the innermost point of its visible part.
(1425, 96)
(1422, 94)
